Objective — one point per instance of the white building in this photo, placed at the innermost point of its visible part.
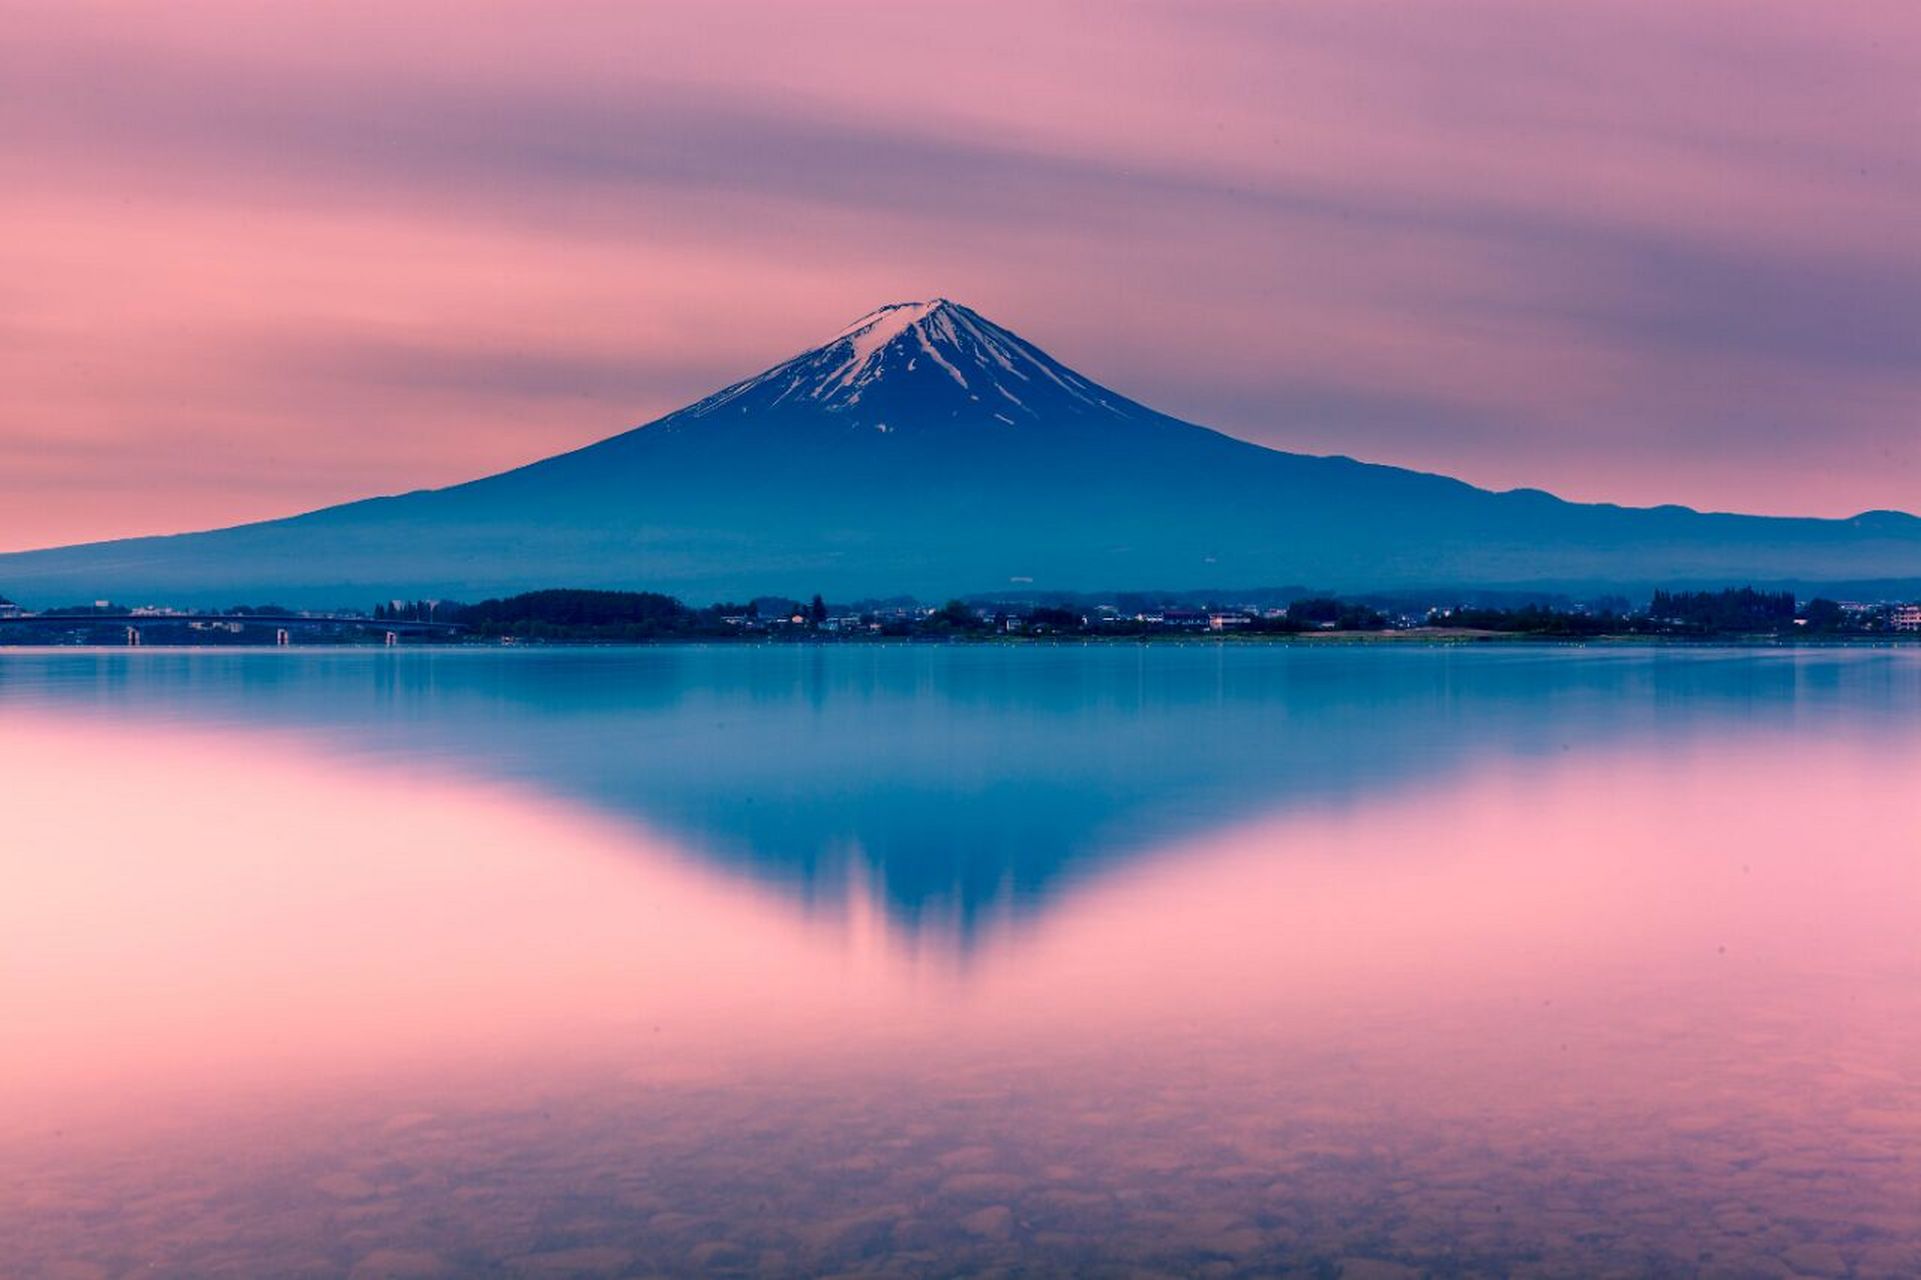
(1905, 617)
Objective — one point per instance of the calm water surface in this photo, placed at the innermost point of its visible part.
(929, 961)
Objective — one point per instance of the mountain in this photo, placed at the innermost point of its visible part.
(925, 450)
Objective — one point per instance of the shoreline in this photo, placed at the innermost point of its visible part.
(1415, 638)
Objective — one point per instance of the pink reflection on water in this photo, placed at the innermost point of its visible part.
(185, 907)
(187, 910)
(1592, 936)
(1601, 1007)
(1549, 876)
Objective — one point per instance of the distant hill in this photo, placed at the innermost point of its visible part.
(925, 450)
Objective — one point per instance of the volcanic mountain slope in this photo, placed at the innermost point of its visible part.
(928, 451)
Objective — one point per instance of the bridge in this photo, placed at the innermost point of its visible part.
(283, 624)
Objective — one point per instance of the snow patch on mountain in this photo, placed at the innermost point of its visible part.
(911, 350)
(864, 341)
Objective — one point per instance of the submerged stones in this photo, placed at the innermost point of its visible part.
(1186, 1163)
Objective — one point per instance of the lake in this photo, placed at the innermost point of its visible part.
(1362, 961)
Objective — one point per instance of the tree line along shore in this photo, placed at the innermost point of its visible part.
(566, 615)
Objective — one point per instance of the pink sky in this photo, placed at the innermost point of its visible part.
(259, 258)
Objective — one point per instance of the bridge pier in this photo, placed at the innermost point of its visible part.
(283, 637)
(133, 637)
(393, 638)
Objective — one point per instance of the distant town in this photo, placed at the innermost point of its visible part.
(595, 616)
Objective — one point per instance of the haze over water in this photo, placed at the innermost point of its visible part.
(1365, 961)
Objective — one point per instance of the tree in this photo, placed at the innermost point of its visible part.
(622, 615)
(1342, 614)
(1738, 609)
(817, 611)
(1823, 614)
(1053, 618)
(955, 613)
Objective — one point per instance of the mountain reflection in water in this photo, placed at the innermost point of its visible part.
(1232, 961)
(961, 783)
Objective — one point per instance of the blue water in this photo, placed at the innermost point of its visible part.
(1209, 959)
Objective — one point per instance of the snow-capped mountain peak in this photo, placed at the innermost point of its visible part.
(865, 343)
(910, 362)
(883, 324)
